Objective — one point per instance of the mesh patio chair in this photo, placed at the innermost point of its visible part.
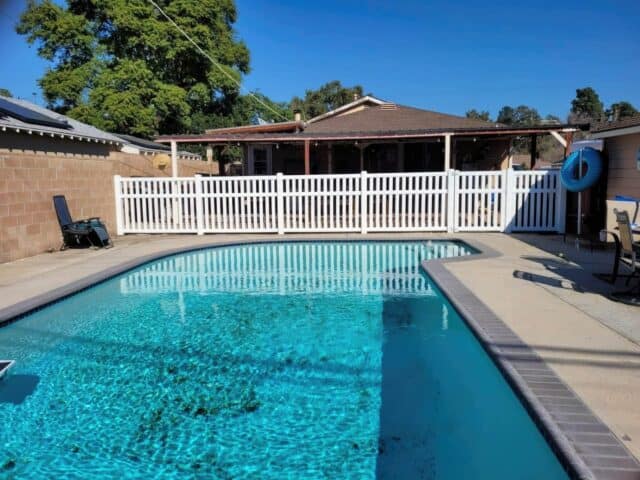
(629, 250)
(90, 232)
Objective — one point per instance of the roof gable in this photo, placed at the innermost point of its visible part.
(387, 117)
(356, 105)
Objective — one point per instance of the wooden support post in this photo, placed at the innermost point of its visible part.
(174, 159)
(400, 157)
(447, 152)
(361, 157)
(534, 149)
(307, 157)
(567, 148)
(329, 158)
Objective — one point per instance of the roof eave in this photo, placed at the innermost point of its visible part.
(616, 132)
(341, 136)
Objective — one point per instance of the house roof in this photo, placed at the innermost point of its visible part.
(388, 117)
(143, 143)
(367, 100)
(367, 118)
(618, 127)
(148, 146)
(263, 128)
(21, 116)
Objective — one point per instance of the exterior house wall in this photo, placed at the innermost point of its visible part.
(46, 144)
(623, 175)
(29, 179)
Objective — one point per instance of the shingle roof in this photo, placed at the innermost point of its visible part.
(77, 131)
(144, 143)
(394, 118)
(291, 126)
(633, 121)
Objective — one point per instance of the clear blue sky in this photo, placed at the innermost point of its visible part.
(446, 55)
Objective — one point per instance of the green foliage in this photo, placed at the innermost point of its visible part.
(587, 105)
(520, 116)
(479, 115)
(5, 93)
(621, 110)
(121, 66)
(328, 97)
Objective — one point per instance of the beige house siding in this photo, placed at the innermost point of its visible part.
(624, 176)
(28, 180)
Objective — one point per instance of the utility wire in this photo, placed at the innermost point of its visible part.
(216, 64)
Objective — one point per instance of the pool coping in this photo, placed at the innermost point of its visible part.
(576, 435)
(586, 446)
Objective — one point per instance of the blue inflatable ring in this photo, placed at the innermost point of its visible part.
(569, 173)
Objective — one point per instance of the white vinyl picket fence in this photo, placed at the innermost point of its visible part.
(451, 201)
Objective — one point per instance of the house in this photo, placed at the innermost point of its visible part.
(43, 153)
(377, 136)
(622, 152)
(25, 126)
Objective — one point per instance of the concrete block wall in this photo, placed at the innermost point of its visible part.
(28, 180)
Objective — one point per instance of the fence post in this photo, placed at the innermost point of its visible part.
(117, 191)
(364, 221)
(510, 200)
(561, 205)
(199, 205)
(504, 201)
(452, 206)
(280, 202)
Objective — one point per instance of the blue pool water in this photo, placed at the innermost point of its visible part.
(273, 361)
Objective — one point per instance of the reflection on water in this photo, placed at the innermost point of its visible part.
(368, 268)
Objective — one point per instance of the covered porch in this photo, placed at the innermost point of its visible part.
(302, 154)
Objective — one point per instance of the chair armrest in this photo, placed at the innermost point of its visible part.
(77, 228)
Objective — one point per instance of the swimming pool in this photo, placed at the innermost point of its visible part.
(276, 360)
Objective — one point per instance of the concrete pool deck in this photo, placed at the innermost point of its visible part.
(553, 304)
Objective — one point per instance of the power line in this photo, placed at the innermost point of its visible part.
(216, 64)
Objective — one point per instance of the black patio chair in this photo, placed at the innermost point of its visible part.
(90, 232)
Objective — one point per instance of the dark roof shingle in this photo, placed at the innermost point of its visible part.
(389, 117)
(632, 121)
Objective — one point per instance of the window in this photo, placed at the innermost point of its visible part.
(260, 160)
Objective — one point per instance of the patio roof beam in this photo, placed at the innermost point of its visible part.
(362, 136)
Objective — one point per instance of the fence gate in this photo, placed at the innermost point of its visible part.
(450, 201)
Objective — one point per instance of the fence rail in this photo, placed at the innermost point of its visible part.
(451, 201)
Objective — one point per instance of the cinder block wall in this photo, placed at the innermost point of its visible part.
(28, 180)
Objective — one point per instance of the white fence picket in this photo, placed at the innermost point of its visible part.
(380, 202)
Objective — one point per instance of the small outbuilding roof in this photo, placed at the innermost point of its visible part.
(623, 126)
(21, 116)
(143, 145)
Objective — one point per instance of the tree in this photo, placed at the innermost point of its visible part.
(479, 115)
(621, 110)
(5, 93)
(121, 66)
(586, 106)
(520, 116)
(328, 97)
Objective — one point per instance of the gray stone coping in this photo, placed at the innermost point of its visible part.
(584, 444)
(586, 447)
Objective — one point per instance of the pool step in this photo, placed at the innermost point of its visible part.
(5, 365)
